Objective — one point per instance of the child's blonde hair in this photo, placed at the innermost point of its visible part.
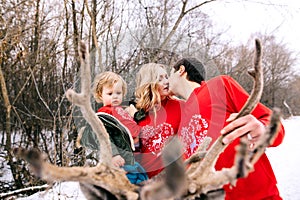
(107, 79)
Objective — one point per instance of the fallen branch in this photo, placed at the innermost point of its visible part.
(23, 190)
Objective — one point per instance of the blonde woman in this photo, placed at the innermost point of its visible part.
(161, 114)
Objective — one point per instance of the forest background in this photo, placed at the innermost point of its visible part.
(39, 62)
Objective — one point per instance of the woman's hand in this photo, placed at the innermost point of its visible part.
(131, 109)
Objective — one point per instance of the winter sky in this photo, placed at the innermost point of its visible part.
(243, 18)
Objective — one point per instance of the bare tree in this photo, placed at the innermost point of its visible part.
(32, 88)
(278, 71)
(292, 98)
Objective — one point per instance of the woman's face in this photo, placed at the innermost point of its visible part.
(163, 81)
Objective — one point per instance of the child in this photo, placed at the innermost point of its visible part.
(109, 89)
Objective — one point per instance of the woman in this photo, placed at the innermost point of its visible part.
(161, 115)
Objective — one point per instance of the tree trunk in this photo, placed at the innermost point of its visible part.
(7, 105)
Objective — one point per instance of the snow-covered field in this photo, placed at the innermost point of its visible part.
(61, 191)
(285, 161)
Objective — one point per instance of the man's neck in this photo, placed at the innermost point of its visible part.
(187, 89)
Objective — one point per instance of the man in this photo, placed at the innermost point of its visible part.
(209, 108)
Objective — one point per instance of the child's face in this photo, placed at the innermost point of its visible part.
(112, 95)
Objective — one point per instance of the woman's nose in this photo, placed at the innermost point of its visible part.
(166, 81)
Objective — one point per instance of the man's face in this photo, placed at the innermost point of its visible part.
(174, 81)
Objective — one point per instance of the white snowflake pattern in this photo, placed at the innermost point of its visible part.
(193, 134)
(154, 138)
(123, 113)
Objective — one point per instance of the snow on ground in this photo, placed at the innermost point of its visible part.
(284, 159)
(61, 191)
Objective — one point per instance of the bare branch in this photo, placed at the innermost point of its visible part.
(103, 176)
(173, 182)
(257, 74)
(38, 92)
(94, 34)
(179, 19)
(199, 5)
(83, 101)
(269, 137)
(32, 188)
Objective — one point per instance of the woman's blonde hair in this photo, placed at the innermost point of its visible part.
(147, 88)
(148, 97)
(107, 79)
(148, 74)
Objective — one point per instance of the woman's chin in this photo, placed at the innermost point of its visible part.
(164, 95)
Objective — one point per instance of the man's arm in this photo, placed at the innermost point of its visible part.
(248, 125)
(253, 124)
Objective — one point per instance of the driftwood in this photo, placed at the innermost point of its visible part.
(107, 182)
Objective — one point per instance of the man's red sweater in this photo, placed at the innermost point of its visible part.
(206, 112)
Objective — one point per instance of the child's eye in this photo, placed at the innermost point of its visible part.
(110, 93)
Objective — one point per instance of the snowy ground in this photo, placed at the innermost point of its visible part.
(61, 191)
(285, 161)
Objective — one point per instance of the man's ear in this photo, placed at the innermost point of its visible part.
(181, 70)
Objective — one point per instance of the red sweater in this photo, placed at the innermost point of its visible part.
(124, 117)
(205, 113)
(155, 133)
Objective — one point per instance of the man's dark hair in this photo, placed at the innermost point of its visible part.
(194, 68)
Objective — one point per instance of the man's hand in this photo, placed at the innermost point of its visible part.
(247, 126)
(118, 161)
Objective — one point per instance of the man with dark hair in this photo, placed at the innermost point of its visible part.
(209, 110)
(195, 70)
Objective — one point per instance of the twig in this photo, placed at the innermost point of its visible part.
(3, 195)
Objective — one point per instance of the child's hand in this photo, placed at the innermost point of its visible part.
(118, 161)
(136, 140)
